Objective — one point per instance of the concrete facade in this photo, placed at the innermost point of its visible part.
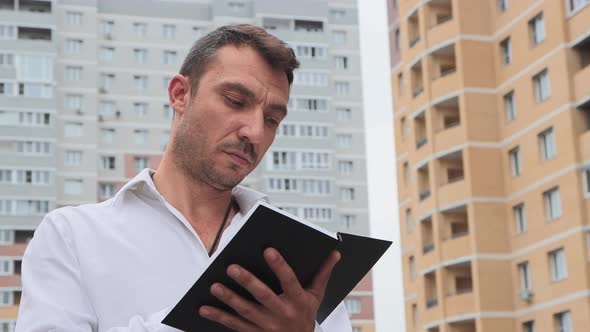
(84, 107)
(492, 121)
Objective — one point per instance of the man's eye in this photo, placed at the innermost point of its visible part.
(234, 102)
(272, 121)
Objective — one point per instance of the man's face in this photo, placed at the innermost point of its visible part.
(232, 119)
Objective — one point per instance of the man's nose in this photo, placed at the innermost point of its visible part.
(252, 128)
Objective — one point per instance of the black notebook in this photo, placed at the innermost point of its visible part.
(303, 245)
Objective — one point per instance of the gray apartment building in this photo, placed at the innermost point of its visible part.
(83, 108)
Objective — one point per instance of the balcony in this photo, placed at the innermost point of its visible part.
(439, 12)
(443, 71)
(451, 168)
(417, 79)
(427, 236)
(582, 76)
(34, 34)
(7, 4)
(455, 223)
(431, 299)
(463, 326)
(447, 114)
(36, 6)
(459, 279)
(420, 130)
(423, 183)
(585, 145)
(413, 29)
(301, 30)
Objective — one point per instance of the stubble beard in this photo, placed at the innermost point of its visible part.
(191, 158)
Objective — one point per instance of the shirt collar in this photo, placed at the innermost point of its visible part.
(143, 184)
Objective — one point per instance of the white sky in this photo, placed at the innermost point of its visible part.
(387, 276)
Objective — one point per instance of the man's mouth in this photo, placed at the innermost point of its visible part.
(240, 157)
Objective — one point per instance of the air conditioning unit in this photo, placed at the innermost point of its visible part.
(118, 114)
(526, 295)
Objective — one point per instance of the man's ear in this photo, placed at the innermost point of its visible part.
(179, 93)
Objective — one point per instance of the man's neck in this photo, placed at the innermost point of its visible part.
(202, 205)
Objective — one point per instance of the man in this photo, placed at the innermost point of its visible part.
(122, 264)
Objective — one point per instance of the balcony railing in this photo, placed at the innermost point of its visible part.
(432, 302)
(418, 91)
(414, 41)
(427, 248)
(424, 194)
(421, 142)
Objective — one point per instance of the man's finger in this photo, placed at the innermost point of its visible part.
(261, 292)
(320, 281)
(289, 282)
(226, 319)
(246, 309)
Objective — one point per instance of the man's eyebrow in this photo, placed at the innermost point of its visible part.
(279, 108)
(238, 87)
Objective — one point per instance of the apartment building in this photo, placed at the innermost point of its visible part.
(492, 132)
(84, 108)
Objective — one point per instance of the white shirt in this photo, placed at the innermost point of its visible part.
(121, 265)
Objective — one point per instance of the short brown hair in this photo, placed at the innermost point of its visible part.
(275, 51)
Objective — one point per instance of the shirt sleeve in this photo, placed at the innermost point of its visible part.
(337, 321)
(53, 297)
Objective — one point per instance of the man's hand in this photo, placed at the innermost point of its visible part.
(293, 310)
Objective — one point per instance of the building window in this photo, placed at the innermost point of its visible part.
(168, 31)
(552, 204)
(503, 5)
(586, 179)
(506, 48)
(73, 46)
(542, 86)
(106, 28)
(140, 163)
(198, 32)
(6, 60)
(140, 136)
(107, 135)
(563, 322)
(353, 305)
(106, 54)
(311, 78)
(412, 268)
(537, 29)
(107, 163)
(558, 264)
(73, 186)
(345, 167)
(341, 62)
(528, 326)
(318, 214)
(73, 158)
(6, 236)
(140, 56)
(344, 140)
(140, 82)
(409, 221)
(398, 44)
(7, 32)
(6, 267)
(169, 58)
(310, 52)
(347, 194)
(575, 5)
(342, 88)
(515, 161)
(106, 190)
(312, 104)
(73, 129)
(520, 218)
(73, 18)
(547, 144)
(348, 220)
(525, 276)
(315, 160)
(168, 113)
(107, 108)
(106, 82)
(236, 6)
(316, 187)
(139, 29)
(283, 185)
(31, 148)
(140, 109)
(339, 37)
(406, 170)
(337, 13)
(509, 106)
(284, 160)
(73, 102)
(343, 114)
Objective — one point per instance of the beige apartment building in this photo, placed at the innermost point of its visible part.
(492, 131)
